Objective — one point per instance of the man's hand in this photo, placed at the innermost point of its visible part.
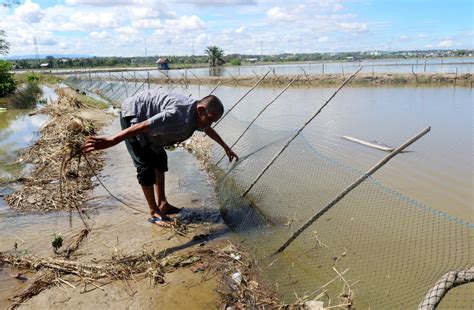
(97, 143)
(231, 154)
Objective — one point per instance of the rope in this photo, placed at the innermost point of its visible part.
(440, 289)
(108, 191)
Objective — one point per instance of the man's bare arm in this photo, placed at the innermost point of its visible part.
(215, 136)
(100, 143)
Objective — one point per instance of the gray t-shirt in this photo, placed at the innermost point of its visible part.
(172, 116)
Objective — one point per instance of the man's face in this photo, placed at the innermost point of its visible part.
(205, 118)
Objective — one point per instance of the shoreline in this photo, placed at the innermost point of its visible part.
(323, 80)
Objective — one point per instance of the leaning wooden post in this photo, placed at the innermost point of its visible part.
(199, 81)
(233, 78)
(240, 99)
(258, 115)
(218, 84)
(256, 75)
(413, 71)
(297, 133)
(351, 187)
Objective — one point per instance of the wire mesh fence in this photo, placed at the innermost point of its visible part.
(392, 248)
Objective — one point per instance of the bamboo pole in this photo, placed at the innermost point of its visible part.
(233, 78)
(199, 81)
(351, 187)
(258, 115)
(241, 98)
(218, 84)
(298, 132)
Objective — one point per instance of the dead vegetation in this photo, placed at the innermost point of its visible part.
(61, 175)
(243, 292)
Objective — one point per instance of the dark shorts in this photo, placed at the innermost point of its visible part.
(144, 158)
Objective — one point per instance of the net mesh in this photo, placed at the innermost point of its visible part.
(392, 248)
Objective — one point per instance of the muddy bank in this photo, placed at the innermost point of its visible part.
(362, 79)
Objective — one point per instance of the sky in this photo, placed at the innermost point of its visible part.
(186, 27)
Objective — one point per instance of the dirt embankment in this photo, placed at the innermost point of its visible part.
(362, 79)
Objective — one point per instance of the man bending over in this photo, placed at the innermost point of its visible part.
(154, 119)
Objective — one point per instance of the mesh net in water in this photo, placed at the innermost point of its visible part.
(394, 248)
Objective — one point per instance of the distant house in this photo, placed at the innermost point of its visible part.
(252, 60)
(44, 65)
(163, 63)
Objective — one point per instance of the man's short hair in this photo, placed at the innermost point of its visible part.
(213, 105)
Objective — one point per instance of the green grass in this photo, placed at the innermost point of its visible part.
(93, 102)
(22, 78)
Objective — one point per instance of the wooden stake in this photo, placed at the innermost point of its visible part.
(298, 132)
(258, 115)
(241, 98)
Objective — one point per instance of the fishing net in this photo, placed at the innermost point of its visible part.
(376, 248)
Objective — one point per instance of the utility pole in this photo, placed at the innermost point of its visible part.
(146, 52)
(36, 52)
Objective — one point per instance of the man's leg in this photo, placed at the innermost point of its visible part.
(163, 204)
(160, 170)
(145, 174)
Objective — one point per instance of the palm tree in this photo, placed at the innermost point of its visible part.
(216, 55)
(4, 45)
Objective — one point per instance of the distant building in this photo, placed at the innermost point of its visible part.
(44, 65)
(163, 63)
(252, 60)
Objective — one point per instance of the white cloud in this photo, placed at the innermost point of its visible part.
(29, 12)
(353, 27)
(404, 37)
(201, 39)
(146, 23)
(422, 35)
(184, 24)
(143, 13)
(93, 20)
(445, 43)
(323, 39)
(279, 14)
(99, 35)
(333, 5)
(240, 30)
(101, 2)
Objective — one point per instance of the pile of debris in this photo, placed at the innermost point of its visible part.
(61, 172)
